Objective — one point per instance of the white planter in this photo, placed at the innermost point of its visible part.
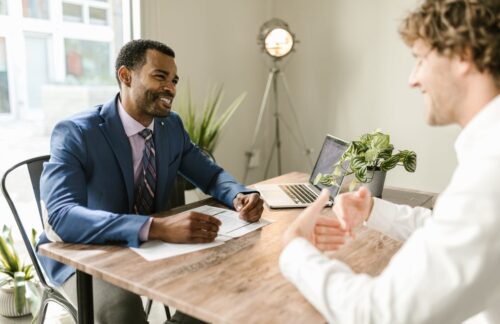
(7, 304)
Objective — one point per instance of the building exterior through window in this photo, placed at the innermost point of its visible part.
(54, 50)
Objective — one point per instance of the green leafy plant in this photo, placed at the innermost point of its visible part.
(18, 274)
(372, 152)
(203, 125)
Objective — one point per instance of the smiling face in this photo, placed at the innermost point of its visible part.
(148, 91)
(436, 76)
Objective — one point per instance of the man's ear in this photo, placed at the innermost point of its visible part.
(466, 61)
(125, 76)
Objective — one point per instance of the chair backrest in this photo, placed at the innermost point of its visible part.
(34, 167)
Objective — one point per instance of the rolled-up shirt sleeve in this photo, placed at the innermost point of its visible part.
(397, 221)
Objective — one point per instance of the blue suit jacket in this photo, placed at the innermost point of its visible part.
(88, 185)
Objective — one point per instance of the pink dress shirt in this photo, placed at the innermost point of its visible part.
(132, 128)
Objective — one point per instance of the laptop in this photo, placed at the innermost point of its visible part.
(298, 195)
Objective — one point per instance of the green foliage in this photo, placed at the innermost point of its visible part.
(202, 125)
(372, 152)
(18, 274)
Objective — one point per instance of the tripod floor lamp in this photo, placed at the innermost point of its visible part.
(277, 41)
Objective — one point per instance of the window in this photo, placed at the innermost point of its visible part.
(98, 16)
(4, 83)
(57, 57)
(88, 62)
(36, 9)
(37, 66)
(3, 7)
(72, 12)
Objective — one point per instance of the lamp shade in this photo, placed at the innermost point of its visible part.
(276, 39)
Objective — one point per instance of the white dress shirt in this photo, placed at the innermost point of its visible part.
(448, 270)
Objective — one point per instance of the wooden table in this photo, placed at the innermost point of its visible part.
(238, 282)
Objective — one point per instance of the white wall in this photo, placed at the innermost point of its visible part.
(347, 76)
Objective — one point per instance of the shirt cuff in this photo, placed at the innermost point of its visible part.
(382, 215)
(144, 232)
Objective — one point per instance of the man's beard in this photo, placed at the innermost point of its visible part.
(151, 99)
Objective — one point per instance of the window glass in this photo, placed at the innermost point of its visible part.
(4, 82)
(98, 16)
(36, 9)
(88, 62)
(3, 7)
(72, 12)
(37, 66)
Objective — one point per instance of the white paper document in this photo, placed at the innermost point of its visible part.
(232, 226)
(156, 250)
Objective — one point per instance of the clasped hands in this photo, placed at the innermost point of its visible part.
(195, 227)
(328, 233)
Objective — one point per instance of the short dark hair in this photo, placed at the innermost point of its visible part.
(452, 26)
(133, 54)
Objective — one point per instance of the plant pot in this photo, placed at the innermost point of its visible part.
(376, 186)
(7, 304)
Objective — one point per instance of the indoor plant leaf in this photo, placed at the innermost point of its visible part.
(409, 160)
(204, 130)
(380, 141)
(372, 154)
(9, 259)
(389, 163)
(19, 291)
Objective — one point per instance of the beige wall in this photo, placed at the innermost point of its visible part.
(348, 76)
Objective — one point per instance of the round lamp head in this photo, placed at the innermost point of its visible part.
(276, 39)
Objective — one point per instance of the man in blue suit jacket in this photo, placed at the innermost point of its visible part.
(88, 186)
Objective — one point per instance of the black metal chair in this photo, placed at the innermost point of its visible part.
(50, 293)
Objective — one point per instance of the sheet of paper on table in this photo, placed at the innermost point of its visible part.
(232, 227)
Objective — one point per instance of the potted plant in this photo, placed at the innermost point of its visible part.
(203, 125)
(19, 294)
(369, 158)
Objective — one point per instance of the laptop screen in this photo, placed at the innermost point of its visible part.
(330, 153)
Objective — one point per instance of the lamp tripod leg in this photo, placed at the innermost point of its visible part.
(269, 159)
(271, 76)
(307, 150)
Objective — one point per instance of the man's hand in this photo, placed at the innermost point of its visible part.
(328, 234)
(353, 208)
(250, 206)
(323, 231)
(188, 227)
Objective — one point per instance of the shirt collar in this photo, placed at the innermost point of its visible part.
(473, 133)
(131, 126)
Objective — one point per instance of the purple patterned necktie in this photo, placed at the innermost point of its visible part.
(146, 184)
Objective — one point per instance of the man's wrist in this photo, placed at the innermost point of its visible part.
(155, 230)
(370, 209)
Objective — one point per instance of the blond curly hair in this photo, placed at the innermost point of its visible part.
(453, 27)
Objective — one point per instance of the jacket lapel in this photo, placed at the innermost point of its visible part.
(114, 133)
(162, 147)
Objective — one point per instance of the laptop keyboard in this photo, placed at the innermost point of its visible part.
(299, 193)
